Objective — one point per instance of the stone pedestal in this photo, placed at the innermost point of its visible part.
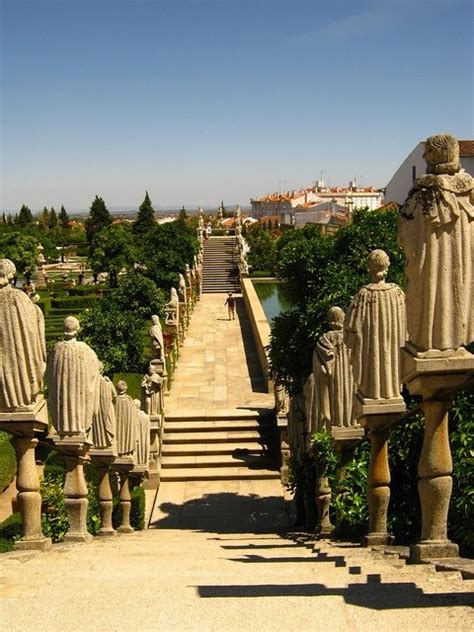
(103, 460)
(123, 465)
(435, 377)
(285, 453)
(74, 449)
(377, 416)
(24, 426)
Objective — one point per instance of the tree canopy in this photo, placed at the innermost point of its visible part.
(99, 217)
(21, 249)
(25, 216)
(111, 250)
(145, 218)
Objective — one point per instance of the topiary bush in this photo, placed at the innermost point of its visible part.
(137, 511)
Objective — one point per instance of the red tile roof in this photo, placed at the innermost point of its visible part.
(466, 148)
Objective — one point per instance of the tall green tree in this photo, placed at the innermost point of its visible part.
(112, 250)
(53, 219)
(145, 217)
(25, 216)
(43, 220)
(99, 217)
(63, 217)
(21, 248)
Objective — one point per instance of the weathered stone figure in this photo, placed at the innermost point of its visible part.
(22, 343)
(104, 425)
(152, 389)
(308, 393)
(297, 428)
(142, 454)
(125, 412)
(333, 379)
(182, 288)
(375, 330)
(436, 231)
(73, 376)
(157, 342)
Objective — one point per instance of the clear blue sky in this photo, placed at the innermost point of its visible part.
(199, 101)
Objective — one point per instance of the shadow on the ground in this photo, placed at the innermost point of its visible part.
(256, 378)
(257, 460)
(374, 594)
(225, 512)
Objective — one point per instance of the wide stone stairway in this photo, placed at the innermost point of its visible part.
(220, 272)
(219, 418)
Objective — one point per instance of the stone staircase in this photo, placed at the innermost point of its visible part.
(240, 446)
(220, 271)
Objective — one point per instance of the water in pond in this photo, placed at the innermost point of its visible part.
(272, 297)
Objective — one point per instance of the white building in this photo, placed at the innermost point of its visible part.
(414, 166)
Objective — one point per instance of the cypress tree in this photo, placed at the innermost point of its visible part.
(25, 216)
(145, 218)
(53, 219)
(99, 217)
(63, 217)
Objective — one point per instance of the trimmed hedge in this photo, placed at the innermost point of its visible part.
(10, 531)
(73, 302)
(7, 461)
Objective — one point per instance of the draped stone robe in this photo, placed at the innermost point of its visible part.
(104, 426)
(375, 330)
(297, 428)
(334, 393)
(126, 415)
(142, 455)
(73, 376)
(436, 231)
(22, 350)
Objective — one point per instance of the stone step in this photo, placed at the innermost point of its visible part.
(205, 437)
(223, 426)
(217, 474)
(202, 448)
(257, 461)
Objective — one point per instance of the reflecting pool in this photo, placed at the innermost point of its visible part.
(272, 297)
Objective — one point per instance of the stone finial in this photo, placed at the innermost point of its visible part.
(375, 331)
(73, 376)
(436, 232)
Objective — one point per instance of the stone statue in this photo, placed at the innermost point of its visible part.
(334, 381)
(142, 454)
(73, 376)
(200, 258)
(126, 415)
(281, 399)
(157, 342)
(182, 289)
(436, 231)
(375, 331)
(152, 392)
(104, 423)
(172, 309)
(244, 266)
(22, 344)
(187, 275)
(308, 393)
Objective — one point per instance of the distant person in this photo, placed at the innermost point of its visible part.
(208, 230)
(230, 302)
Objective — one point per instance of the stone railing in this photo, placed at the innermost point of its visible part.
(259, 325)
(93, 420)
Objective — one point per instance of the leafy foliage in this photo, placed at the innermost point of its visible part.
(112, 249)
(99, 217)
(145, 218)
(20, 248)
(262, 244)
(24, 217)
(7, 461)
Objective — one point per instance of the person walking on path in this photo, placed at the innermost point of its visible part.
(208, 230)
(230, 302)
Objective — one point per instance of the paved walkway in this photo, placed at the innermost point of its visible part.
(218, 369)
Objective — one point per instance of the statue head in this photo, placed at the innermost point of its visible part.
(442, 154)
(137, 403)
(71, 327)
(35, 298)
(151, 368)
(7, 271)
(121, 387)
(155, 319)
(336, 318)
(378, 265)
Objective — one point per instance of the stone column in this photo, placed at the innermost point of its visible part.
(75, 454)
(323, 501)
(435, 379)
(377, 416)
(103, 460)
(123, 465)
(23, 427)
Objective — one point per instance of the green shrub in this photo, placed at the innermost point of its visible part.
(73, 302)
(10, 529)
(6, 545)
(350, 498)
(7, 461)
(54, 521)
(137, 511)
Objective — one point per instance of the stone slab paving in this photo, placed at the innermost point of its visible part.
(227, 570)
(218, 370)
